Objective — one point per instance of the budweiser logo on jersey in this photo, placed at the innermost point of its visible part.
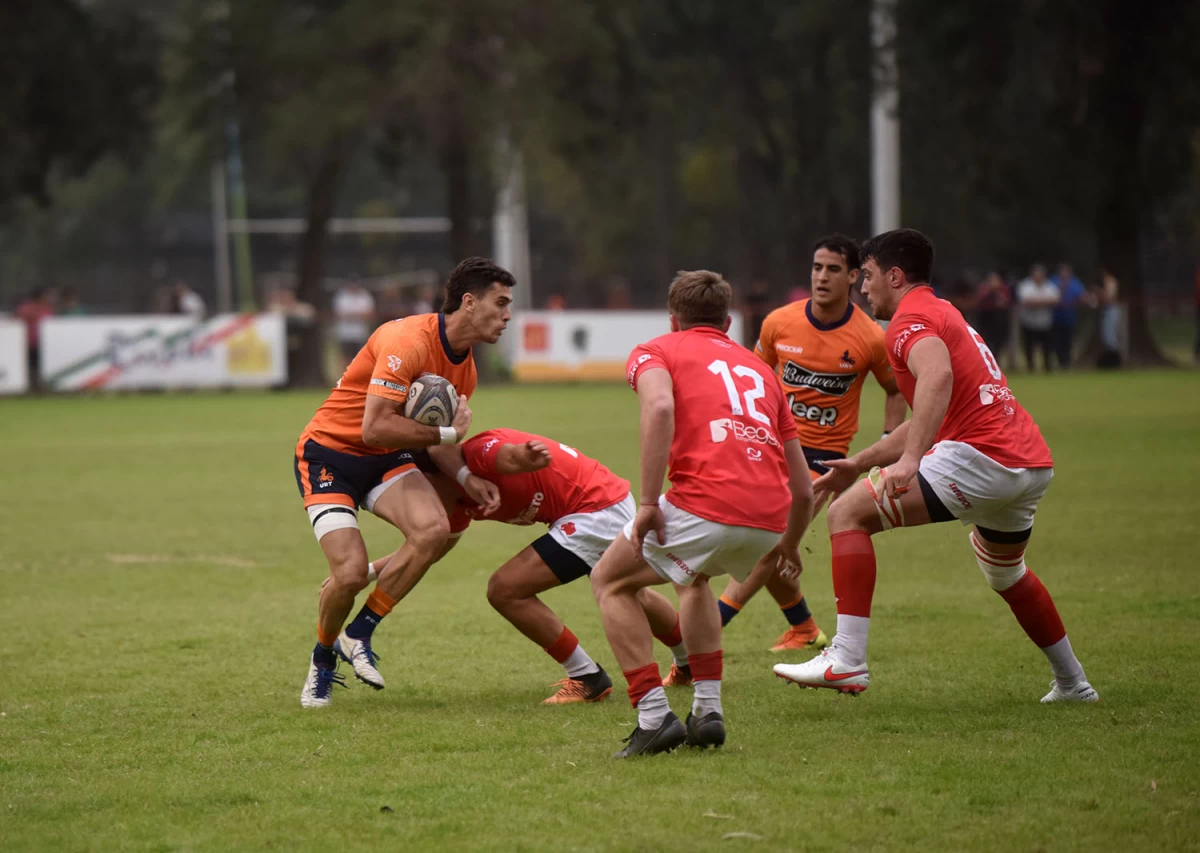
(722, 428)
(833, 384)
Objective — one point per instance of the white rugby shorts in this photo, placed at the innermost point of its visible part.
(696, 545)
(976, 489)
(587, 535)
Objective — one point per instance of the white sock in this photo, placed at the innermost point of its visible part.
(653, 709)
(580, 664)
(707, 698)
(680, 654)
(851, 639)
(372, 575)
(1067, 669)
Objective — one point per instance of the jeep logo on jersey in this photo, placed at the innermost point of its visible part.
(833, 384)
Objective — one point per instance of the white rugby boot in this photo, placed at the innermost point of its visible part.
(318, 687)
(826, 670)
(1081, 692)
(358, 654)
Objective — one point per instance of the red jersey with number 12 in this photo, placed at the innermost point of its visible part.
(572, 483)
(983, 412)
(731, 420)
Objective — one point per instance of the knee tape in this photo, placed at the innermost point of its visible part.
(1001, 570)
(891, 513)
(328, 517)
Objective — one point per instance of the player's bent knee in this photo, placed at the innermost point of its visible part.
(1001, 570)
(500, 593)
(349, 574)
(431, 537)
(842, 515)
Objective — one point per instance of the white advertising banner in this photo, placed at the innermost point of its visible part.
(14, 370)
(555, 345)
(163, 351)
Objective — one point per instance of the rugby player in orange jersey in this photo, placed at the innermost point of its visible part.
(822, 350)
(357, 451)
(585, 506)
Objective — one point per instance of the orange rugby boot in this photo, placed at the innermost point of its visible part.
(799, 637)
(592, 687)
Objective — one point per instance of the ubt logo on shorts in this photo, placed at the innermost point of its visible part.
(722, 427)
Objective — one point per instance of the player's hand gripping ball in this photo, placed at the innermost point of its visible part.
(431, 400)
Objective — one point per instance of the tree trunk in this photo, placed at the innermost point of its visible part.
(1117, 125)
(456, 167)
(308, 362)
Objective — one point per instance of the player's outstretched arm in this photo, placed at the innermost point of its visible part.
(800, 484)
(843, 473)
(929, 361)
(656, 399)
(451, 461)
(522, 458)
(894, 406)
(384, 425)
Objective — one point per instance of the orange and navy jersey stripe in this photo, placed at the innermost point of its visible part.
(395, 355)
(822, 367)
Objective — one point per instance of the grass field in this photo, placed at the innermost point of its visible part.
(158, 581)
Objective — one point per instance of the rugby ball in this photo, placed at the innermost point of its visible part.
(431, 400)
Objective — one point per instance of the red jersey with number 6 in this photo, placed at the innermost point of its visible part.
(573, 483)
(983, 412)
(731, 421)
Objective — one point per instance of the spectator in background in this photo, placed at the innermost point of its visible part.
(424, 303)
(189, 302)
(1066, 313)
(618, 295)
(69, 304)
(32, 310)
(1037, 296)
(353, 319)
(798, 294)
(1110, 321)
(391, 304)
(556, 302)
(993, 305)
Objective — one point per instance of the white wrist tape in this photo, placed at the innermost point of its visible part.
(462, 475)
(449, 435)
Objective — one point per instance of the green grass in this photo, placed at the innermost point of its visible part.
(158, 582)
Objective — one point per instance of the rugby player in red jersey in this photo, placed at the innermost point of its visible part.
(740, 494)
(586, 506)
(970, 452)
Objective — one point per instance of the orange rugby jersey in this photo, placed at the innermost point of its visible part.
(822, 368)
(396, 354)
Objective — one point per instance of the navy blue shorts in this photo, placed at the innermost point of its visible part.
(327, 476)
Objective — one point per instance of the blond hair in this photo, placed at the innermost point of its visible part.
(700, 298)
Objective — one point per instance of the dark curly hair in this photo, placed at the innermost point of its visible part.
(474, 275)
(906, 248)
(842, 245)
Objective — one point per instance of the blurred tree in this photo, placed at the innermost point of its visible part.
(308, 81)
(79, 82)
(701, 133)
(1034, 127)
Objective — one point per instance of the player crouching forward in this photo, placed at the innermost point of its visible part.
(970, 452)
(712, 411)
(586, 506)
